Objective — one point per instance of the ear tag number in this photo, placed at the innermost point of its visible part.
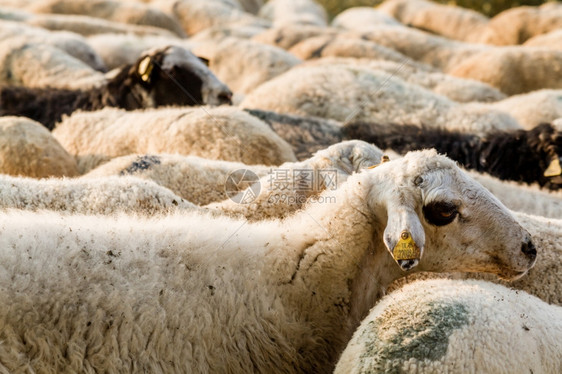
(145, 68)
(406, 248)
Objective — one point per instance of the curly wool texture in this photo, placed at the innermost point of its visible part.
(220, 133)
(180, 293)
(198, 180)
(125, 12)
(456, 326)
(361, 18)
(28, 149)
(369, 96)
(283, 190)
(449, 21)
(93, 196)
(456, 89)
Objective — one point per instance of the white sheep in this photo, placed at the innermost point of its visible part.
(446, 326)
(529, 199)
(28, 149)
(535, 68)
(516, 25)
(39, 65)
(195, 16)
(287, 188)
(195, 293)
(294, 12)
(457, 89)
(544, 280)
(245, 64)
(453, 22)
(90, 196)
(86, 25)
(361, 18)
(533, 108)
(551, 39)
(287, 36)
(203, 181)
(130, 12)
(369, 95)
(75, 45)
(223, 133)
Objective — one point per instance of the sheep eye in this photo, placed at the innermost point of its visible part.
(440, 213)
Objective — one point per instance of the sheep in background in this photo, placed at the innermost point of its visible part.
(289, 187)
(517, 25)
(362, 18)
(161, 77)
(167, 291)
(251, 6)
(551, 39)
(203, 181)
(39, 65)
(528, 156)
(92, 196)
(195, 16)
(456, 326)
(457, 89)
(294, 12)
(305, 134)
(221, 133)
(369, 95)
(119, 11)
(533, 108)
(125, 49)
(449, 21)
(528, 199)
(198, 180)
(287, 36)
(28, 149)
(535, 68)
(75, 45)
(245, 64)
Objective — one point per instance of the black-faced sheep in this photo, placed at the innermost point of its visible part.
(523, 155)
(195, 293)
(161, 77)
(446, 326)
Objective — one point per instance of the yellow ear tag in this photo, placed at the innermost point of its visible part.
(406, 248)
(553, 169)
(145, 68)
(384, 159)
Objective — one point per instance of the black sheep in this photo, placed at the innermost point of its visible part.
(164, 76)
(525, 156)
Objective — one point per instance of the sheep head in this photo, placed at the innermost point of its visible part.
(441, 220)
(174, 76)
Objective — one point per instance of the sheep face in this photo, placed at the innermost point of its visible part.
(174, 76)
(439, 217)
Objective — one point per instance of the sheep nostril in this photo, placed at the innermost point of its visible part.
(529, 249)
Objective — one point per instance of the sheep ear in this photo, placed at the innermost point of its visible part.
(404, 236)
(145, 69)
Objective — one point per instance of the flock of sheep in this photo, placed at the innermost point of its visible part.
(233, 186)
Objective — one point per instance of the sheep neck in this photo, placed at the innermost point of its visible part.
(332, 281)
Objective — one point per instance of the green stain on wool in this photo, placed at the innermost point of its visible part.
(396, 337)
